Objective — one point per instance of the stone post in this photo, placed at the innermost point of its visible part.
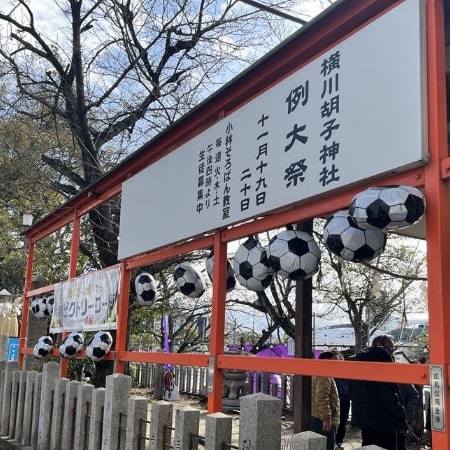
(50, 373)
(96, 422)
(59, 404)
(10, 367)
(14, 403)
(118, 390)
(70, 407)
(187, 421)
(36, 411)
(160, 424)
(308, 440)
(83, 411)
(28, 407)
(260, 422)
(136, 423)
(218, 430)
(21, 401)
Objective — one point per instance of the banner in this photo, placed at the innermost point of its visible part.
(87, 303)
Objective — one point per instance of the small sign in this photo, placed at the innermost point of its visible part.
(211, 365)
(13, 349)
(437, 404)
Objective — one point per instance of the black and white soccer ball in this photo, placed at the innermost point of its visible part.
(43, 347)
(251, 266)
(39, 307)
(99, 346)
(231, 280)
(146, 290)
(388, 208)
(294, 254)
(71, 345)
(345, 239)
(189, 280)
(50, 302)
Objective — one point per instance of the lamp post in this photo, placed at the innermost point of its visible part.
(27, 220)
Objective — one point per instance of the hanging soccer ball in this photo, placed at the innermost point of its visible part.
(387, 207)
(189, 280)
(43, 347)
(71, 345)
(39, 307)
(345, 239)
(294, 254)
(50, 301)
(231, 280)
(251, 265)
(99, 346)
(146, 291)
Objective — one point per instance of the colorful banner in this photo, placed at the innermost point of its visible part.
(88, 302)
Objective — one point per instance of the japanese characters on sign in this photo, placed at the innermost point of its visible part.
(353, 112)
(437, 403)
(86, 303)
(214, 174)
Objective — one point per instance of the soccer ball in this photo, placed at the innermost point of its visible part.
(71, 345)
(294, 254)
(387, 207)
(189, 280)
(345, 239)
(99, 346)
(231, 280)
(43, 347)
(251, 266)
(50, 301)
(146, 291)
(39, 307)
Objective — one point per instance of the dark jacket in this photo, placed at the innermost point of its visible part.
(376, 405)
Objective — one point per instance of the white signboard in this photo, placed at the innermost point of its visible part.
(88, 302)
(354, 112)
(437, 401)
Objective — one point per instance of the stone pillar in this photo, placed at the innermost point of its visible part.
(260, 419)
(31, 376)
(70, 407)
(10, 367)
(36, 411)
(187, 421)
(96, 422)
(50, 373)
(160, 424)
(118, 390)
(308, 440)
(58, 413)
(136, 423)
(218, 430)
(83, 411)
(4, 348)
(21, 401)
(14, 403)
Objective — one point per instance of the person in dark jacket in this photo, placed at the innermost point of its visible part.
(376, 406)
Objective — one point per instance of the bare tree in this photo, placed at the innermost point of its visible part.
(110, 73)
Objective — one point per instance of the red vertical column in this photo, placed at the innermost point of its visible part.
(217, 322)
(122, 317)
(437, 215)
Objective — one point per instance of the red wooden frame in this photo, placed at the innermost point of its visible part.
(338, 23)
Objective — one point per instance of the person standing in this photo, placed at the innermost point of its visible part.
(325, 404)
(344, 404)
(376, 406)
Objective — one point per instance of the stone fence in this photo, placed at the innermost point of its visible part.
(42, 411)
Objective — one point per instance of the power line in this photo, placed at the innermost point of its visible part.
(274, 11)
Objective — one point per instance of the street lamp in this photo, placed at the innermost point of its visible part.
(27, 220)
